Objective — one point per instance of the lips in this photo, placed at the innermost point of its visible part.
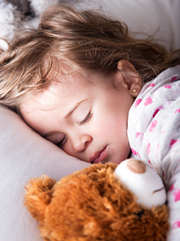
(98, 156)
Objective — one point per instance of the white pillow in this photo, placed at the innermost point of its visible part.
(23, 155)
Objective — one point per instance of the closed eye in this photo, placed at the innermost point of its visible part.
(62, 142)
(86, 119)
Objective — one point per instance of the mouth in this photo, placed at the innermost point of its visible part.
(158, 190)
(99, 156)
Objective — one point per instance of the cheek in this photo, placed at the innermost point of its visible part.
(113, 127)
(68, 148)
(103, 129)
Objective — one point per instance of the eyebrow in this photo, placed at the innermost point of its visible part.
(66, 117)
(75, 107)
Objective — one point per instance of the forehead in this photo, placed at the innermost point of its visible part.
(64, 88)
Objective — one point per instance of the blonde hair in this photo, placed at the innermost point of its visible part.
(77, 38)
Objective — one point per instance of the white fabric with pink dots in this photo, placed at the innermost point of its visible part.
(154, 136)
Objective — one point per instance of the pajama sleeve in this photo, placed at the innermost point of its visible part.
(154, 136)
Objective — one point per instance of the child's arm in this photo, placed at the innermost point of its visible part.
(173, 198)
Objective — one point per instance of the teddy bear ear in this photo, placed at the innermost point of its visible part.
(38, 195)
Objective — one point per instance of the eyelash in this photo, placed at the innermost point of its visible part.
(86, 119)
(62, 142)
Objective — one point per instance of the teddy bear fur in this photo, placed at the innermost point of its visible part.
(92, 205)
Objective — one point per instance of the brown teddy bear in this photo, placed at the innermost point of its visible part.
(95, 205)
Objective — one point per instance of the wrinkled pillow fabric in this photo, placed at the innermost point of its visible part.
(23, 155)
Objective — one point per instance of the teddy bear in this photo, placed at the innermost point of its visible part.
(103, 202)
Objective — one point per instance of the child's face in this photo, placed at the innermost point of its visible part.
(87, 120)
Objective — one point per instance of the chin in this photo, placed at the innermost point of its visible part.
(117, 161)
(120, 159)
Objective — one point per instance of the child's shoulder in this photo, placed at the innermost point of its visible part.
(165, 79)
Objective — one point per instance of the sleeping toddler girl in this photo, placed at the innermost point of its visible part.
(82, 82)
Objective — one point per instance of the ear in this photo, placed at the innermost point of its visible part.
(131, 77)
(38, 196)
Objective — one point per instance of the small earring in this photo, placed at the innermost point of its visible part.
(134, 91)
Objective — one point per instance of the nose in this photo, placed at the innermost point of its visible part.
(80, 143)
